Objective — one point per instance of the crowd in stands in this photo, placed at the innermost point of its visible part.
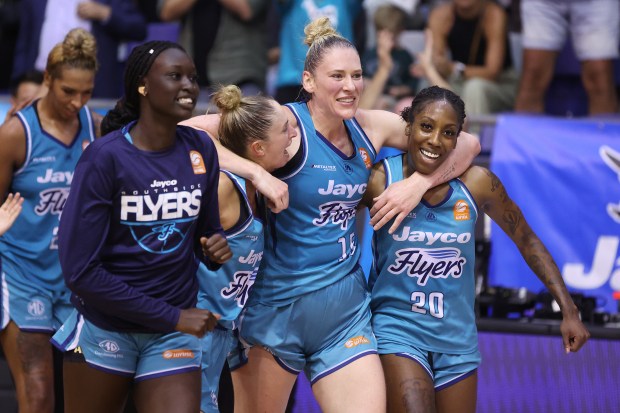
(256, 45)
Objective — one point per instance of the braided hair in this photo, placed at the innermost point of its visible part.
(434, 94)
(138, 65)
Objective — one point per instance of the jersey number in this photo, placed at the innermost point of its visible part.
(347, 252)
(435, 303)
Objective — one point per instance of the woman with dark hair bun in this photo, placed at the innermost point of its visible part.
(142, 215)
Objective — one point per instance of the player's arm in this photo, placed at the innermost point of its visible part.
(12, 152)
(493, 199)
(272, 188)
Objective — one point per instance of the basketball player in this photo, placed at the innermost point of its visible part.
(39, 149)
(423, 288)
(256, 128)
(142, 213)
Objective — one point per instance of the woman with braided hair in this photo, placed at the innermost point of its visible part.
(39, 148)
(142, 215)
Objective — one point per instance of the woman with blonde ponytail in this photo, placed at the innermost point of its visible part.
(309, 307)
(39, 148)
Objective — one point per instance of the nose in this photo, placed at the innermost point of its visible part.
(348, 83)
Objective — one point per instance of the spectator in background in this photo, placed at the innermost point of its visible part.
(200, 20)
(239, 53)
(295, 14)
(387, 64)
(472, 52)
(44, 23)
(24, 89)
(594, 27)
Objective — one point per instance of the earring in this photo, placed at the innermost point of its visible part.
(142, 90)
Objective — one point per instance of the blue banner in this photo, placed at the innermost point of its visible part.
(565, 176)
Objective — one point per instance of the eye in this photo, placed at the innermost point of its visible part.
(357, 76)
(450, 133)
(174, 75)
(337, 76)
(193, 78)
(426, 126)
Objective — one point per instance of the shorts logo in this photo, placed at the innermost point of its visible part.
(77, 350)
(36, 308)
(178, 354)
(109, 346)
(366, 158)
(356, 341)
(461, 211)
(198, 163)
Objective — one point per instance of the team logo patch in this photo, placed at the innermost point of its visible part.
(198, 163)
(356, 341)
(366, 158)
(461, 211)
(36, 308)
(109, 346)
(178, 354)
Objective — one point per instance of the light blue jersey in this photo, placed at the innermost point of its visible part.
(29, 249)
(312, 243)
(423, 288)
(226, 290)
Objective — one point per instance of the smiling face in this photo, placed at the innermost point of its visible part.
(171, 85)
(280, 136)
(70, 91)
(337, 84)
(433, 135)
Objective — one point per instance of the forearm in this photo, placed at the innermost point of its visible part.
(542, 264)
(374, 88)
(175, 9)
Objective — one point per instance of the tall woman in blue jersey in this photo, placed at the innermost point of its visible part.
(309, 304)
(255, 128)
(39, 148)
(423, 289)
(142, 214)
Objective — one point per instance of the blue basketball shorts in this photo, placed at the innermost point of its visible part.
(444, 369)
(138, 355)
(215, 347)
(321, 332)
(32, 307)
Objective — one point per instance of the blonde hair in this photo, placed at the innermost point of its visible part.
(320, 37)
(243, 118)
(78, 50)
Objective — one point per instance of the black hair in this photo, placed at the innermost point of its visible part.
(30, 76)
(138, 65)
(433, 94)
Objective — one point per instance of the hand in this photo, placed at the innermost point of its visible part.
(196, 321)
(90, 10)
(9, 211)
(574, 333)
(274, 190)
(385, 44)
(398, 200)
(216, 248)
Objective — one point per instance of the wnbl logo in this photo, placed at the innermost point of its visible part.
(52, 201)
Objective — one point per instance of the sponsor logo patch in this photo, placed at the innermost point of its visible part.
(178, 354)
(461, 211)
(356, 341)
(198, 164)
